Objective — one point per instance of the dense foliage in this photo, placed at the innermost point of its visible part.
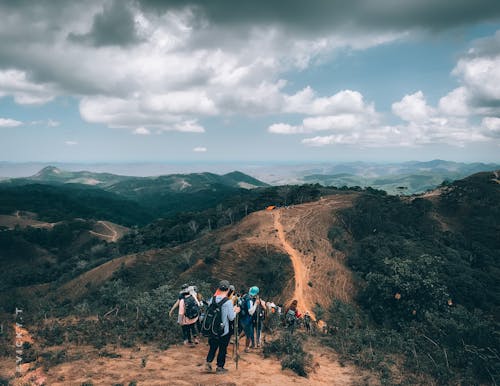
(54, 203)
(288, 348)
(431, 284)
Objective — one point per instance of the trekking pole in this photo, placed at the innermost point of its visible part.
(258, 325)
(236, 334)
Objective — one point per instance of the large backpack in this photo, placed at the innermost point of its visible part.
(290, 317)
(192, 309)
(244, 306)
(213, 326)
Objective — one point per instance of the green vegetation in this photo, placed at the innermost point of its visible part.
(288, 348)
(55, 203)
(427, 295)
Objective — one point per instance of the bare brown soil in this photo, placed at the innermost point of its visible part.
(108, 231)
(181, 365)
(11, 222)
(321, 268)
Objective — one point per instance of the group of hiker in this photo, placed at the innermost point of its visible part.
(226, 314)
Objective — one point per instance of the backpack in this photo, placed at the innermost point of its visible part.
(213, 325)
(192, 309)
(244, 306)
(290, 317)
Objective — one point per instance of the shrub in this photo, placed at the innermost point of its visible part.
(289, 349)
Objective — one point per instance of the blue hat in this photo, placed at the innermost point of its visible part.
(253, 291)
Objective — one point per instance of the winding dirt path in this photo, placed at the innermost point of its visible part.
(300, 271)
(114, 234)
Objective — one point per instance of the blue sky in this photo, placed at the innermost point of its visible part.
(194, 81)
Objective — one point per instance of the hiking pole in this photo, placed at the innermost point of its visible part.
(236, 334)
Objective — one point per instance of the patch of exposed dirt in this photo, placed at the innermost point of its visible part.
(321, 268)
(11, 222)
(108, 231)
(181, 365)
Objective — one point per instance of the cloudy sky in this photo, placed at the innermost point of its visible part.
(270, 80)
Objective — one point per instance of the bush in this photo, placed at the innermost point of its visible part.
(289, 349)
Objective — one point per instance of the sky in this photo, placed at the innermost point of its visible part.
(261, 81)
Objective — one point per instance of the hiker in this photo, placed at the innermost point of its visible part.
(307, 322)
(248, 304)
(292, 316)
(189, 311)
(219, 340)
(184, 288)
(258, 317)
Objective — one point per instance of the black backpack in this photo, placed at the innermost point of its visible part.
(244, 305)
(213, 326)
(192, 309)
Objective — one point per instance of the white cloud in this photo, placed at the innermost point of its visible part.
(455, 103)
(479, 73)
(7, 122)
(413, 108)
(53, 123)
(306, 102)
(179, 67)
(491, 126)
(24, 91)
(284, 128)
(424, 124)
(190, 126)
(141, 131)
(336, 139)
(71, 143)
(200, 149)
(332, 122)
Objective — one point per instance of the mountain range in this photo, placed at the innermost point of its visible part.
(395, 178)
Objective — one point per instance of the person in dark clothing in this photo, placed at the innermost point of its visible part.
(228, 313)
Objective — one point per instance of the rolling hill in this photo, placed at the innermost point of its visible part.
(385, 272)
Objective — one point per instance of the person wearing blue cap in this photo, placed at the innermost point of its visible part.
(249, 304)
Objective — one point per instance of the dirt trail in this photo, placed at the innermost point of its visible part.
(114, 234)
(320, 271)
(180, 365)
(300, 271)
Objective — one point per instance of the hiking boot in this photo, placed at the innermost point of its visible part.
(208, 367)
(196, 341)
(220, 370)
(246, 349)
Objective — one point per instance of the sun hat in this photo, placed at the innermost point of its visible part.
(253, 291)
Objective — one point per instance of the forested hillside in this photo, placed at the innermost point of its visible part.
(428, 281)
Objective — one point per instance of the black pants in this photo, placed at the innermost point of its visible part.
(188, 331)
(220, 344)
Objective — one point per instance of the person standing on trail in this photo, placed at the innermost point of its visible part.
(248, 304)
(292, 316)
(227, 314)
(189, 310)
(307, 322)
(258, 316)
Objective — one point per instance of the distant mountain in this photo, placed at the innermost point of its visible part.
(57, 194)
(126, 184)
(410, 177)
